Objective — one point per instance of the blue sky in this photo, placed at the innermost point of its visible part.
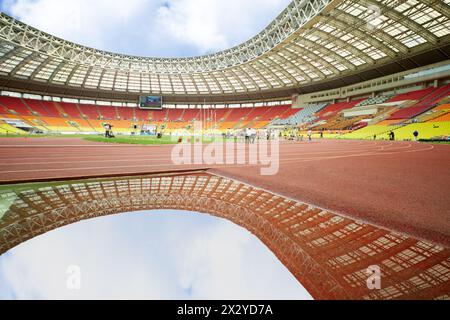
(158, 28)
(148, 255)
(163, 255)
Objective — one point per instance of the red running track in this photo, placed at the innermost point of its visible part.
(401, 186)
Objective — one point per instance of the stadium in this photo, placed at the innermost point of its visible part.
(356, 94)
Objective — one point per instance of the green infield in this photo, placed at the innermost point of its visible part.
(142, 140)
(35, 136)
(436, 141)
(151, 140)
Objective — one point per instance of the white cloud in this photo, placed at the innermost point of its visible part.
(151, 28)
(214, 25)
(148, 256)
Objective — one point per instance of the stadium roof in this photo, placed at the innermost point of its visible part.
(312, 45)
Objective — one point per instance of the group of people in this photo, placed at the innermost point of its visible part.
(298, 134)
(250, 135)
(391, 136)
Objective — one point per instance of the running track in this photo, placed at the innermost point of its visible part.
(401, 186)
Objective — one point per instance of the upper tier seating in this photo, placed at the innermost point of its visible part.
(428, 102)
(51, 108)
(16, 105)
(70, 109)
(90, 111)
(408, 113)
(274, 112)
(191, 114)
(238, 114)
(373, 101)
(126, 113)
(220, 114)
(302, 115)
(334, 109)
(413, 95)
(174, 114)
(437, 95)
(142, 115)
(108, 112)
(159, 115)
(37, 107)
(257, 113)
(289, 113)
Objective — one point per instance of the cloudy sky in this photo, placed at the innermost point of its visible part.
(147, 255)
(162, 255)
(158, 28)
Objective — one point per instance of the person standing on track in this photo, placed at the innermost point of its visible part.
(107, 130)
(247, 135)
(392, 136)
(310, 135)
(416, 135)
(252, 135)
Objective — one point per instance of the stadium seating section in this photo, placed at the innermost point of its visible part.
(425, 110)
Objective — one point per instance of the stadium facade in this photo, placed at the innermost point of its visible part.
(311, 46)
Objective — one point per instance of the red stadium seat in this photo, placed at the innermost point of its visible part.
(126, 113)
(16, 105)
(70, 109)
(107, 112)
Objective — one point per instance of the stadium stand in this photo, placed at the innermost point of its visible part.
(141, 115)
(69, 109)
(356, 119)
(89, 111)
(427, 102)
(274, 113)
(305, 115)
(238, 114)
(333, 109)
(15, 105)
(190, 115)
(125, 113)
(37, 108)
(373, 101)
(107, 112)
(51, 108)
(413, 95)
(174, 114)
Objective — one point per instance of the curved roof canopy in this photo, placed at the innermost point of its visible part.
(310, 42)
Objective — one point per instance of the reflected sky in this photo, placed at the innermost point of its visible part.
(148, 255)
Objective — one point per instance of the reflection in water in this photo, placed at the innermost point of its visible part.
(147, 255)
(327, 253)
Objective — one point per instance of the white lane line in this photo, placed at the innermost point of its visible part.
(152, 159)
(107, 158)
(218, 166)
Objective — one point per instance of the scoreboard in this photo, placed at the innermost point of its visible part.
(150, 102)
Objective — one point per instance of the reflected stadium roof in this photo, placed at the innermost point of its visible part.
(308, 47)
